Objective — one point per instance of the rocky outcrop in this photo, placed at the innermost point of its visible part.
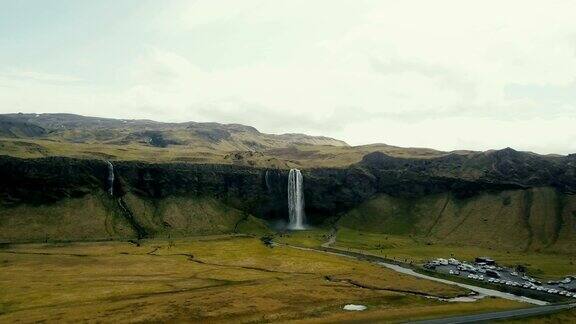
(479, 171)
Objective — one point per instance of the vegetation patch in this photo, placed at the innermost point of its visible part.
(211, 278)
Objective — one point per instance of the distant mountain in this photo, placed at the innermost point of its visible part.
(81, 129)
(68, 135)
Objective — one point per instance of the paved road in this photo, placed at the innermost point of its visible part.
(517, 313)
(480, 290)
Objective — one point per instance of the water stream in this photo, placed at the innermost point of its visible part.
(110, 178)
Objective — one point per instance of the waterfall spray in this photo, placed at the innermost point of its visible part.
(110, 178)
(295, 200)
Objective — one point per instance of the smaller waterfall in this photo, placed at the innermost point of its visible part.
(295, 200)
(110, 178)
(267, 181)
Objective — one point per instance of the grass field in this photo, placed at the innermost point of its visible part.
(408, 249)
(215, 279)
(311, 238)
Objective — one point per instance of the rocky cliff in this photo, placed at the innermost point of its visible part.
(68, 197)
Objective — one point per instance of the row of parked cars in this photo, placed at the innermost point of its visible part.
(495, 274)
(566, 280)
(532, 286)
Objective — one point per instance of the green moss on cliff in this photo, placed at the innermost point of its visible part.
(252, 226)
(503, 220)
(92, 217)
(184, 216)
(99, 217)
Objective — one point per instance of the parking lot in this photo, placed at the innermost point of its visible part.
(491, 273)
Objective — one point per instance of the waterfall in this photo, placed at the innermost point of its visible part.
(110, 178)
(295, 200)
(267, 181)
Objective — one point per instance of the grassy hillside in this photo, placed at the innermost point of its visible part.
(296, 155)
(41, 135)
(99, 217)
(33, 136)
(92, 217)
(538, 219)
(184, 216)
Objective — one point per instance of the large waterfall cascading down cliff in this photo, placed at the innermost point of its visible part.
(295, 200)
(110, 178)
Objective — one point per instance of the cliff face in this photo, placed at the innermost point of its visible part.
(154, 199)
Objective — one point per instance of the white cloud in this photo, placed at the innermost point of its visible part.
(443, 74)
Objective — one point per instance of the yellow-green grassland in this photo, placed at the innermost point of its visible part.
(213, 279)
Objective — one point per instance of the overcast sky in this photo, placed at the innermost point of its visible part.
(441, 74)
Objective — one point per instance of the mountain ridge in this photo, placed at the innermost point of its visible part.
(59, 124)
(43, 135)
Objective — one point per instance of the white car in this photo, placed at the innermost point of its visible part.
(442, 261)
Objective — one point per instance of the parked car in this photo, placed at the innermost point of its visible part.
(493, 273)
